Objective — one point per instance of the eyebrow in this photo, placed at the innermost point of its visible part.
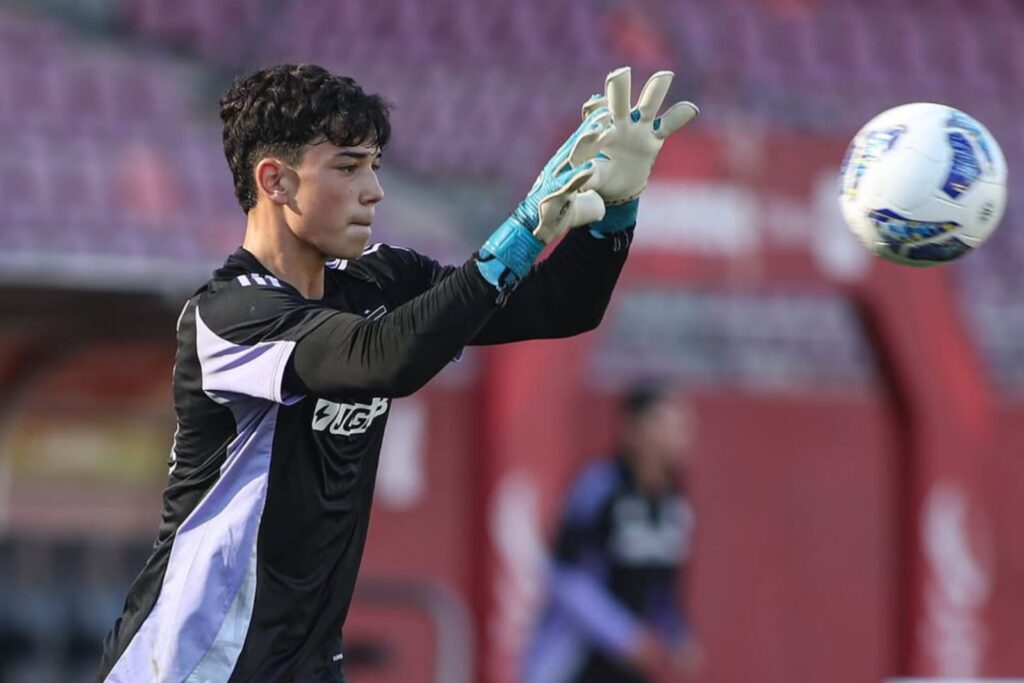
(358, 155)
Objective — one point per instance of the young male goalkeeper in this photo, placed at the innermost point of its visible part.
(289, 357)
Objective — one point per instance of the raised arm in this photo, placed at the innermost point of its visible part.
(565, 294)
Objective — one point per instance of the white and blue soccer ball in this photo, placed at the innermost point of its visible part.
(923, 184)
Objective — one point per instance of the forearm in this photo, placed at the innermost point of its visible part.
(663, 606)
(398, 353)
(598, 613)
(565, 294)
(671, 625)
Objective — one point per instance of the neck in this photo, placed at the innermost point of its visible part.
(271, 241)
(652, 477)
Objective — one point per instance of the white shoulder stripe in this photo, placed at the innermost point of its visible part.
(247, 280)
(249, 370)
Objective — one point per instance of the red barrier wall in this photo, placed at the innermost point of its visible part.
(795, 573)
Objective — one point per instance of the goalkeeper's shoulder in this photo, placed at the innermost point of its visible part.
(388, 266)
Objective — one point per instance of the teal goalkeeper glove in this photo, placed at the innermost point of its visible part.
(627, 149)
(556, 203)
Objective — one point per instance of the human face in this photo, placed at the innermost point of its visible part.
(663, 434)
(334, 200)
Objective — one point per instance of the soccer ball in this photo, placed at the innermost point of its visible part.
(923, 184)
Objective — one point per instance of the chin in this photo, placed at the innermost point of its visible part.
(355, 241)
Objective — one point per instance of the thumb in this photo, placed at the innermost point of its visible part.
(556, 211)
(588, 207)
(593, 104)
(564, 210)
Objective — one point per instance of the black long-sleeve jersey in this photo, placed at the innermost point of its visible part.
(281, 405)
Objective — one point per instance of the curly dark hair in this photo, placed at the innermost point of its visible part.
(279, 110)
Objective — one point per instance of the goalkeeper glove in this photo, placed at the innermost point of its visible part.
(626, 151)
(556, 203)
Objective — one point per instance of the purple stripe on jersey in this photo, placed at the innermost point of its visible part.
(201, 616)
(242, 369)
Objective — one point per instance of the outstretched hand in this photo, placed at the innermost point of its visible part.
(627, 148)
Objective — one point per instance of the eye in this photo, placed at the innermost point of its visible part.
(348, 168)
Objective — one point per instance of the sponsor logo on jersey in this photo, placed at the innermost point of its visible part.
(640, 538)
(347, 419)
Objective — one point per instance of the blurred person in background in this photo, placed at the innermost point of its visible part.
(289, 357)
(612, 614)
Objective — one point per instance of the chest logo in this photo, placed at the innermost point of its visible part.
(642, 536)
(347, 419)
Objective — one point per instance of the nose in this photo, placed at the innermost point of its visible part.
(372, 193)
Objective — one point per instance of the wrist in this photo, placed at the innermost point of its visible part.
(508, 254)
(617, 218)
(527, 213)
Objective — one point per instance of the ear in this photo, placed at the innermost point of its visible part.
(275, 180)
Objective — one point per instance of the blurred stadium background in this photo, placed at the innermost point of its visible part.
(860, 456)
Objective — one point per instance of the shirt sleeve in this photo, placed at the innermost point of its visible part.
(663, 598)
(565, 294)
(270, 343)
(597, 612)
(578, 581)
(397, 353)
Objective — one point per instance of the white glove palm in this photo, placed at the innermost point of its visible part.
(626, 150)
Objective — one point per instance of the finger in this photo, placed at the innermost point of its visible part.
(600, 118)
(595, 149)
(598, 121)
(560, 158)
(587, 143)
(653, 94)
(585, 148)
(561, 211)
(554, 208)
(577, 181)
(595, 102)
(617, 90)
(602, 169)
(677, 116)
(604, 138)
